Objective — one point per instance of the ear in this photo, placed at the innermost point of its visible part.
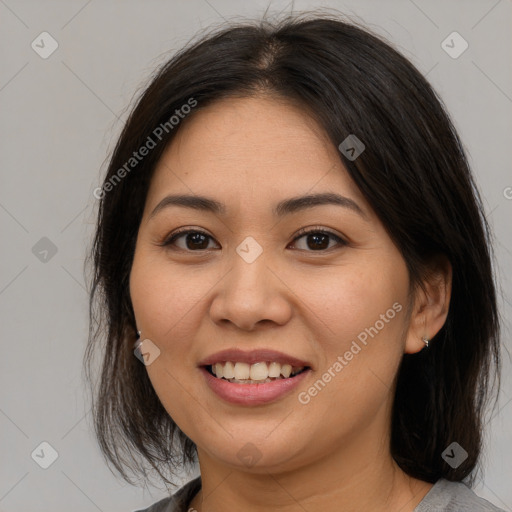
(430, 305)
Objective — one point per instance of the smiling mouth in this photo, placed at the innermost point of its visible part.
(257, 373)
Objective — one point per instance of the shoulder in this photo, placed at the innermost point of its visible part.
(179, 501)
(446, 496)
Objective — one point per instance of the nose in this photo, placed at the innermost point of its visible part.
(251, 294)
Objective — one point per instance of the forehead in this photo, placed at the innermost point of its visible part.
(248, 148)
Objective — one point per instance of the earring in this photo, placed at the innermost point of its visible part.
(138, 334)
(425, 340)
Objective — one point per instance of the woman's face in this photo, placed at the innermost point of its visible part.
(250, 281)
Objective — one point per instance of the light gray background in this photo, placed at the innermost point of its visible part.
(59, 118)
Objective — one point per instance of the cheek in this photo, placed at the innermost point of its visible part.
(166, 300)
(168, 309)
(359, 316)
(348, 301)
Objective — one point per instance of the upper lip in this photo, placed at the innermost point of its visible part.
(251, 357)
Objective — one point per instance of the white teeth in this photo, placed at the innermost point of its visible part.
(228, 372)
(258, 372)
(274, 370)
(242, 371)
(219, 370)
(286, 370)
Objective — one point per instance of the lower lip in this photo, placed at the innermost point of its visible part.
(252, 394)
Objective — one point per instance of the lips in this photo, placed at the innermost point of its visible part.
(249, 395)
(252, 357)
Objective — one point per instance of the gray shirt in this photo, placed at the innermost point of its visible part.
(444, 496)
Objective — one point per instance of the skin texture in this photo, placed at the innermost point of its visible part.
(333, 452)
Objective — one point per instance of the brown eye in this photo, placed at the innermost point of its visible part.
(194, 240)
(318, 240)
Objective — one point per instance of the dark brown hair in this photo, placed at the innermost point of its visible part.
(413, 172)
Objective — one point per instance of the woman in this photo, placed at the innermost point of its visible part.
(290, 234)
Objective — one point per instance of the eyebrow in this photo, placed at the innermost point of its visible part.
(285, 207)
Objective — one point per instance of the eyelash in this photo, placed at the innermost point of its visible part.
(302, 232)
